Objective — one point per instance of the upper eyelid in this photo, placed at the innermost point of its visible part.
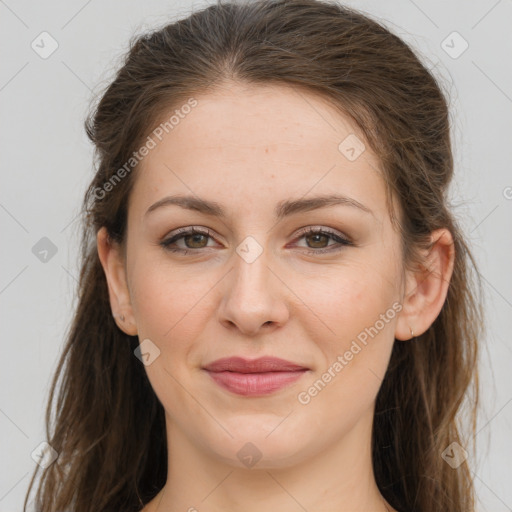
(323, 229)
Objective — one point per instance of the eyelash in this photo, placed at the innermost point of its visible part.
(182, 232)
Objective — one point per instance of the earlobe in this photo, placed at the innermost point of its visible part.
(427, 287)
(114, 268)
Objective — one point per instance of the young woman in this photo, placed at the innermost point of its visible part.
(276, 307)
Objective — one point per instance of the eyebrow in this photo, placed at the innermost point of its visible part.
(283, 208)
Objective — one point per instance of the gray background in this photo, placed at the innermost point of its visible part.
(46, 163)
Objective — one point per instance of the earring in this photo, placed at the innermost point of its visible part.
(120, 316)
(412, 332)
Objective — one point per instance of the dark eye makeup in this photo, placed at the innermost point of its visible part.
(197, 235)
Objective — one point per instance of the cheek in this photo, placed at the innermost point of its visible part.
(169, 311)
(357, 309)
(343, 301)
(168, 304)
(344, 387)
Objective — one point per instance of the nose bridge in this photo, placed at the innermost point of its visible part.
(252, 297)
(251, 267)
(250, 278)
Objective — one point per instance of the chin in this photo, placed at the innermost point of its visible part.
(264, 444)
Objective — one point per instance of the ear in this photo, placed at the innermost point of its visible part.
(113, 264)
(427, 287)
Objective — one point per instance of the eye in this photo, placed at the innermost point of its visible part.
(194, 238)
(317, 238)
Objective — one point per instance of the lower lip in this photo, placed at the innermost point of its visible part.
(254, 384)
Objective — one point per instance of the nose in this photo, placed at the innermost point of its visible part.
(254, 297)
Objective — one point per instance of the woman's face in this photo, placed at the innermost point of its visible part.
(252, 284)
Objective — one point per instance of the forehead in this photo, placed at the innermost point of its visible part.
(242, 116)
(259, 143)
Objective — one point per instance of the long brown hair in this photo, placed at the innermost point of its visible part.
(103, 418)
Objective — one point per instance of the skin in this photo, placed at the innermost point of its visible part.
(248, 148)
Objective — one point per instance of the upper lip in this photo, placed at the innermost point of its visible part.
(260, 365)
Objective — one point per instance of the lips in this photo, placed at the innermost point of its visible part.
(254, 377)
(261, 365)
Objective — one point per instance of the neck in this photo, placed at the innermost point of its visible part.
(340, 478)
